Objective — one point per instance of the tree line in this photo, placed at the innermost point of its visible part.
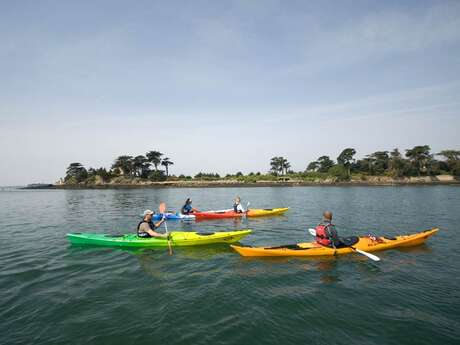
(128, 166)
(418, 161)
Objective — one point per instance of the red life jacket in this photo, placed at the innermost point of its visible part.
(322, 235)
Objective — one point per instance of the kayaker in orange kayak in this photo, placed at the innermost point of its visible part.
(146, 228)
(237, 207)
(187, 208)
(326, 234)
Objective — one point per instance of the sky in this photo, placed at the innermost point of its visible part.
(222, 86)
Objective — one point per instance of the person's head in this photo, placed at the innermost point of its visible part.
(237, 199)
(327, 215)
(188, 201)
(148, 215)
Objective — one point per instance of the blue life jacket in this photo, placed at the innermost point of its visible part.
(186, 209)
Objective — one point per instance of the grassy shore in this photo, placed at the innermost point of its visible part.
(253, 181)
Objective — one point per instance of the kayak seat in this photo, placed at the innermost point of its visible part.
(205, 233)
(348, 241)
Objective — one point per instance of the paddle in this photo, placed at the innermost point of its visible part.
(162, 209)
(369, 255)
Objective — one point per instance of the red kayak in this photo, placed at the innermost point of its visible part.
(232, 214)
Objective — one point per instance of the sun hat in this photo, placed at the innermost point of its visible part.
(146, 212)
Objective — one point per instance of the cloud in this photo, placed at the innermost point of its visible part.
(375, 36)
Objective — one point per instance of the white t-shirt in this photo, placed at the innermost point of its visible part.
(239, 208)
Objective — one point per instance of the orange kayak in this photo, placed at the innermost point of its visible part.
(368, 244)
(255, 212)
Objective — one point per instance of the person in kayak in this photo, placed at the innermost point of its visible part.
(237, 207)
(146, 228)
(326, 234)
(187, 208)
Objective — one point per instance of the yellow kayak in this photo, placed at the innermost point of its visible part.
(368, 244)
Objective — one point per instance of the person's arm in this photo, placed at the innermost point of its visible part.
(145, 227)
(161, 221)
(333, 236)
(156, 234)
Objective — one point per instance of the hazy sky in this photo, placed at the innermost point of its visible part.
(222, 86)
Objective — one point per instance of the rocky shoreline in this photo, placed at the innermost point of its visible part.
(367, 181)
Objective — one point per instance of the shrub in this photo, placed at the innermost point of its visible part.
(339, 171)
(157, 176)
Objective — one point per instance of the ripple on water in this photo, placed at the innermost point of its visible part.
(66, 294)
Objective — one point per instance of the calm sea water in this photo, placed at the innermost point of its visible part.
(54, 293)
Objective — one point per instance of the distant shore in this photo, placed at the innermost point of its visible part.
(367, 181)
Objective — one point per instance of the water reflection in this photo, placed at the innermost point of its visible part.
(156, 262)
(423, 248)
(328, 269)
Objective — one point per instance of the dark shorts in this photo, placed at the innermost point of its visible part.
(143, 234)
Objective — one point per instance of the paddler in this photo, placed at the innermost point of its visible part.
(237, 207)
(187, 208)
(326, 234)
(146, 228)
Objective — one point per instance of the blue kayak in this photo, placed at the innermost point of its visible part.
(173, 216)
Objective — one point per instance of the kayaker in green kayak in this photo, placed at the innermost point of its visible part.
(326, 234)
(146, 228)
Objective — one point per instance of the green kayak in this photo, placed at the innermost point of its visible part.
(177, 239)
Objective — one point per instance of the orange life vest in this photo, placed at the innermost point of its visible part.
(323, 235)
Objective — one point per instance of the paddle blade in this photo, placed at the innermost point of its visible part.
(369, 255)
(162, 207)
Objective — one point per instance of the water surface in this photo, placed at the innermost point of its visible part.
(53, 293)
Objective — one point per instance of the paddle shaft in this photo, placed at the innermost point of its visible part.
(169, 239)
(162, 210)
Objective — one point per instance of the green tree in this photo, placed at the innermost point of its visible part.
(346, 159)
(397, 164)
(339, 171)
(285, 165)
(452, 158)
(141, 166)
(313, 166)
(157, 176)
(154, 157)
(325, 163)
(276, 165)
(378, 162)
(124, 164)
(101, 172)
(166, 162)
(76, 172)
(420, 159)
